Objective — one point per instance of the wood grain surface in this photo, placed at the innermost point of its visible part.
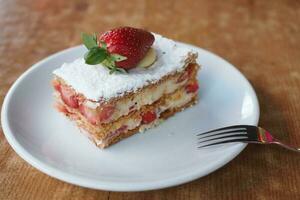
(261, 38)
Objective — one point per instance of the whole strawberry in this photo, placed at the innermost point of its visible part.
(118, 49)
(130, 42)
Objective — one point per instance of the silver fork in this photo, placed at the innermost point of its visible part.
(240, 133)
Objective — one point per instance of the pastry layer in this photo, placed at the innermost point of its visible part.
(99, 113)
(168, 113)
(133, 122)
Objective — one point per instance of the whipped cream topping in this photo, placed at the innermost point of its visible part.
(95, 82)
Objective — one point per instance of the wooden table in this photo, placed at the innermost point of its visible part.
(261, 38)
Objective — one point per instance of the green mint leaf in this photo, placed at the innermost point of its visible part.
(103, 45)
(95, 37)
(89, 41)
(109, 63)
(95, 56)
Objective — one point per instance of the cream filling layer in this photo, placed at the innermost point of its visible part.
(145, 97)
(179, 99)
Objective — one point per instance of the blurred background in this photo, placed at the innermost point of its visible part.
(260, 37)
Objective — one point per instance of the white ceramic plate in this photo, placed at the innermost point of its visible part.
(164, 156)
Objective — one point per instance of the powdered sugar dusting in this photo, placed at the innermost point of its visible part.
(95, 82)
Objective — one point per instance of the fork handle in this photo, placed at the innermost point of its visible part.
(286, 146)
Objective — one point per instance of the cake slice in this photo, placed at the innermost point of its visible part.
(112, 106)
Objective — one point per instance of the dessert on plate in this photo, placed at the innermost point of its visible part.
(129, 80)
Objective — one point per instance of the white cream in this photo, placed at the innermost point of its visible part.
(95, 82)
(130, 124)
(169, 104)
(147, 97)
(145, 127)
(184, 99)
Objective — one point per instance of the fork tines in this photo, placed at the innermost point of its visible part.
(237, 133)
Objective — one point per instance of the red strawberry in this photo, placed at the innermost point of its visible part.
(148, 117)
(130, 42)
(106, 112)
(192, 87)
(187, 74)
(94, 116)
(61, 108)
(56, 85)
(68, 96)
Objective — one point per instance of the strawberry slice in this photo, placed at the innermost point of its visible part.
(56, 85)
(106, 112)
(90, 114)
(130, 42)
(148, 117)
(68, 96)
(61, 108)
(96, 116)
(191, 88)
(187, 74)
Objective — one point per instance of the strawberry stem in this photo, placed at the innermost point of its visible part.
(97, 54)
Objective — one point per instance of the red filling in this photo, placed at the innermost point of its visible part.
(187, 74)
(67, 94)
(95, 116)
(56, 85)
(61, 108)
(148, 117)
(191, 88)
(106, 112)
(69, 97)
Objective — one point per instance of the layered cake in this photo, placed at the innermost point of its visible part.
(128, 81)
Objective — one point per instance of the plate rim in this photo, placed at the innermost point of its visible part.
(107, 185)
